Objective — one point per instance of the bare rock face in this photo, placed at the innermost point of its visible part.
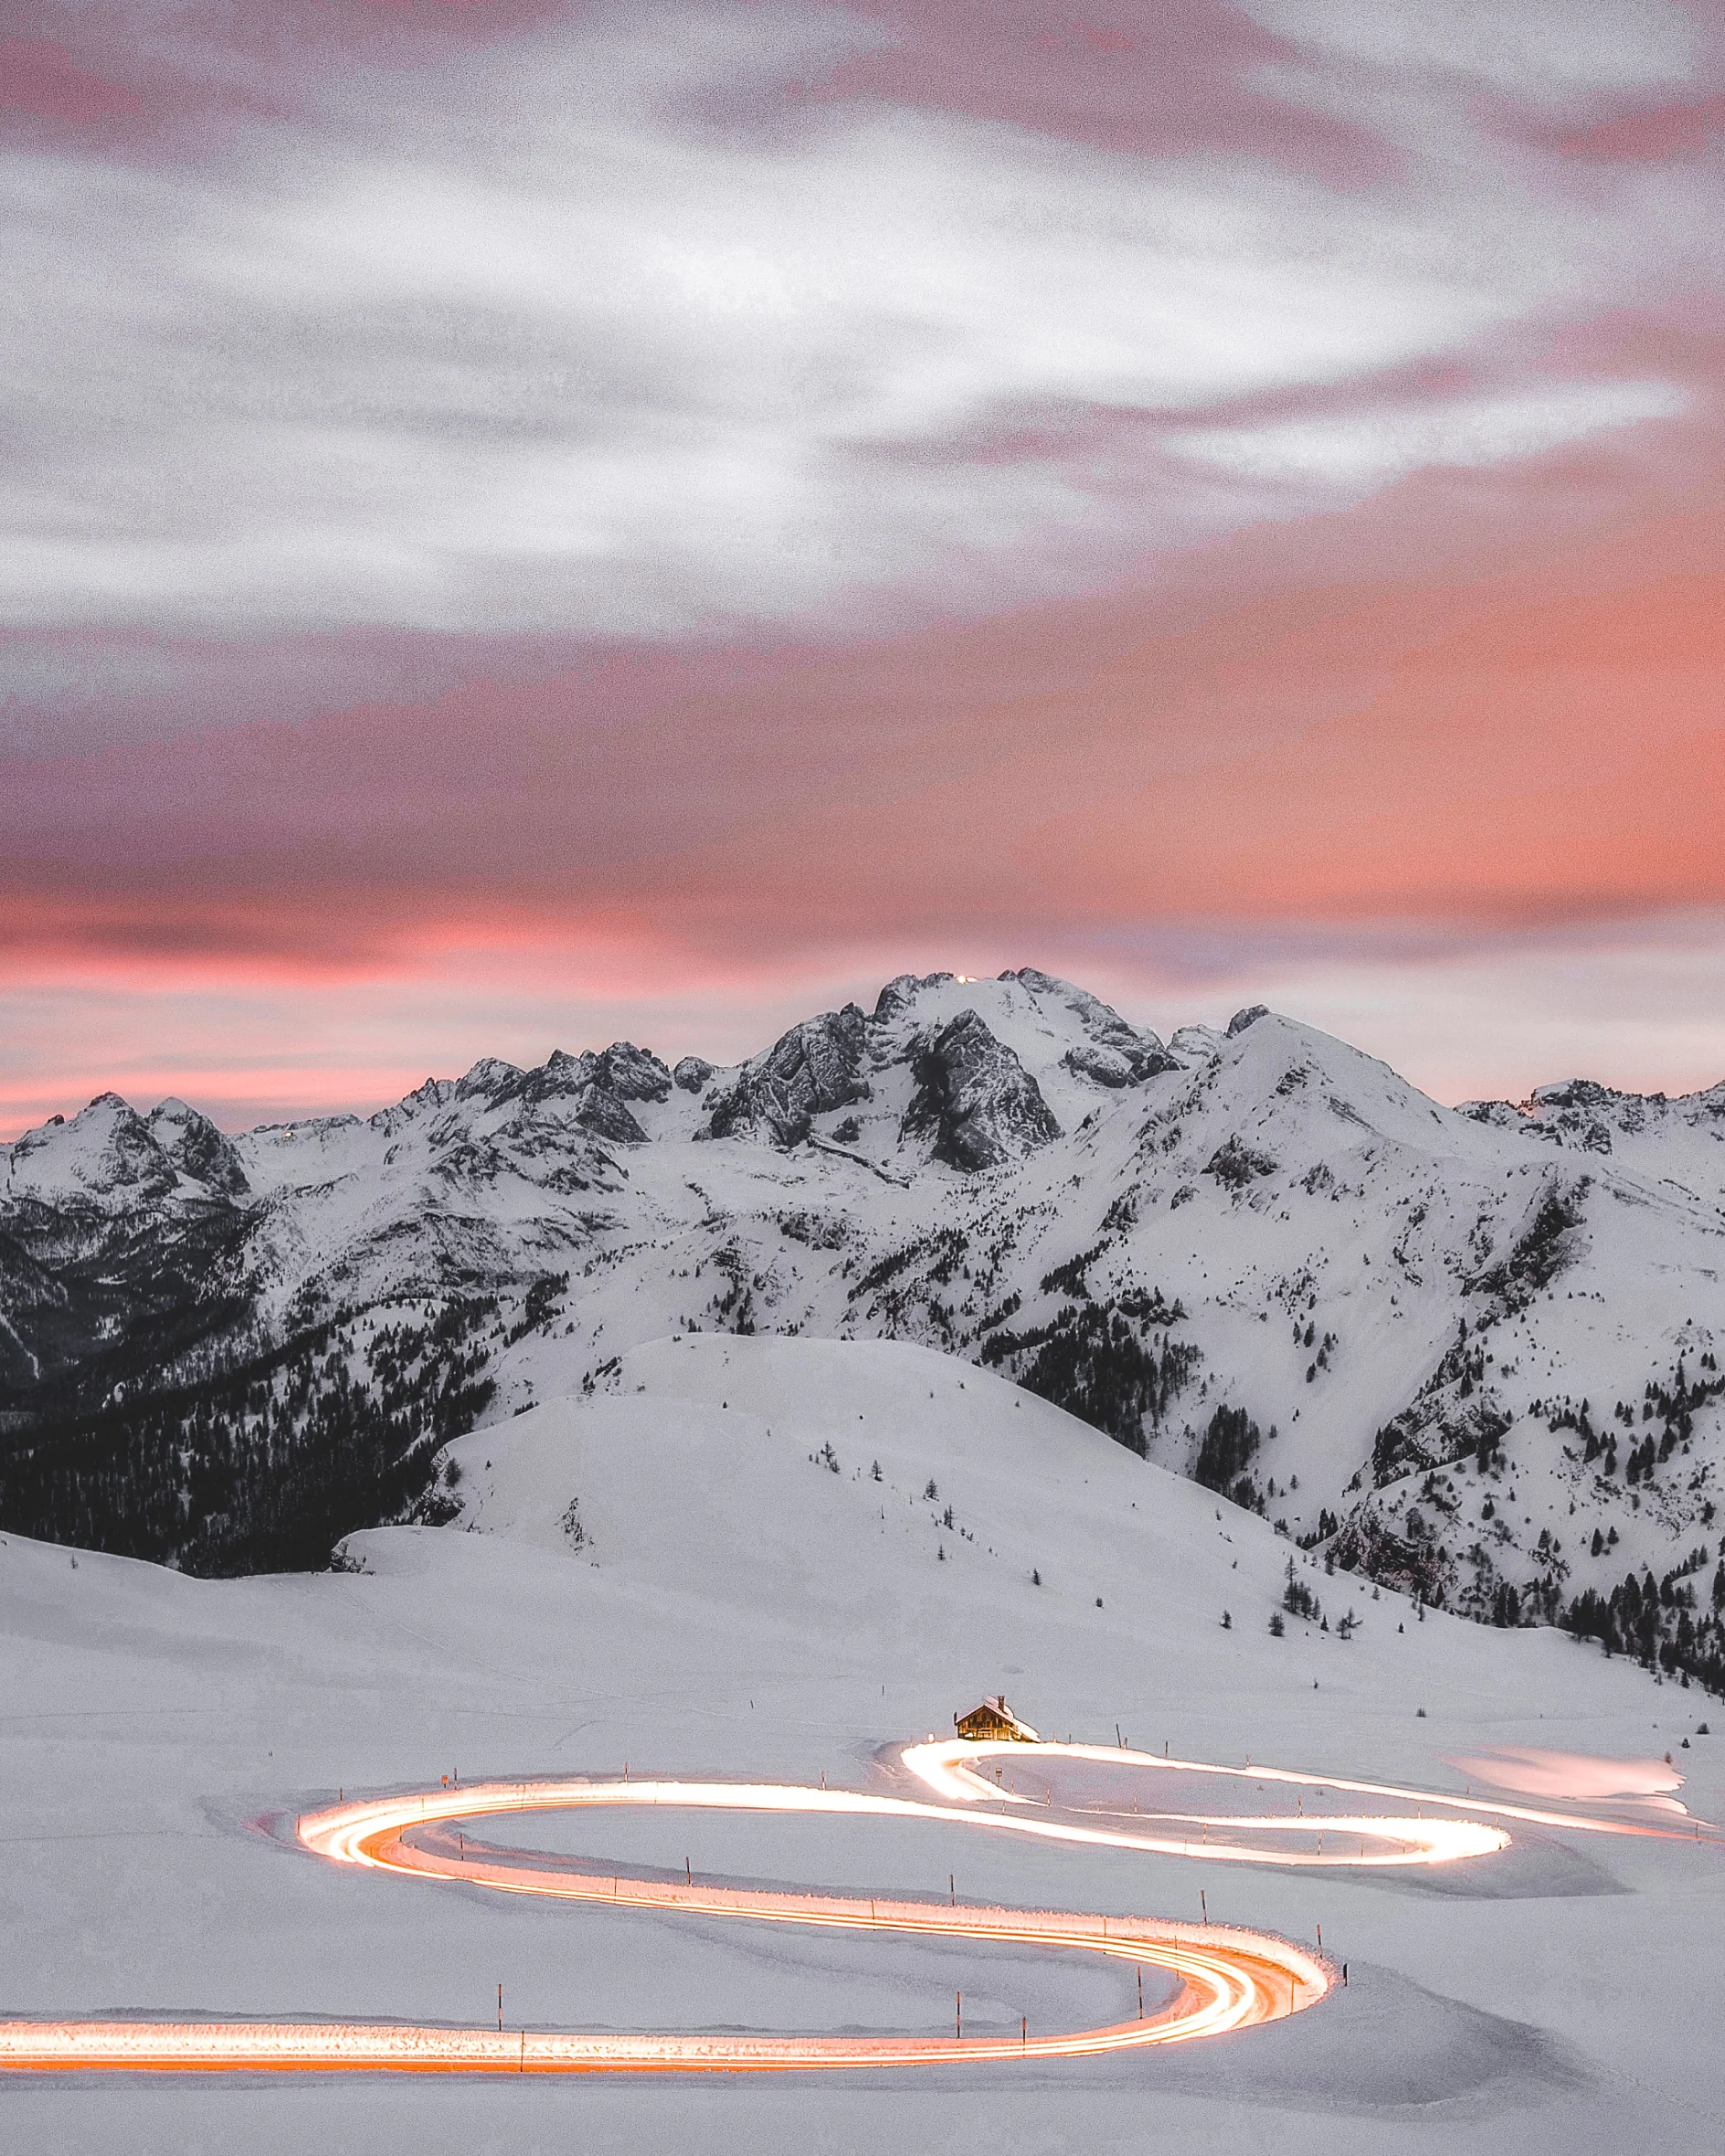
(632, 1073)
(692, 1073)
(817, 1066)
(194, 1145)
(977, 1100)
(1498, 1116)
(1104, 1063)
(593, 1091)
(598, 1110)
(491, 1079)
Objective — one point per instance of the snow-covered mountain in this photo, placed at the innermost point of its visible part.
(1471, 1351)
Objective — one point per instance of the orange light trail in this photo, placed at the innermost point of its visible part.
(1225, 1978)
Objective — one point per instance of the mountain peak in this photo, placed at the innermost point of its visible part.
(817, 1066)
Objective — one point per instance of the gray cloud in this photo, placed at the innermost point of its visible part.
(510, 343)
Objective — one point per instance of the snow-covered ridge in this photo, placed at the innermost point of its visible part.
(1459, 1346)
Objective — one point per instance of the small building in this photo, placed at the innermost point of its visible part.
(994, 1723)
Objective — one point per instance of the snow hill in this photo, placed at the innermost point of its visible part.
(699, 1575)
(1467, 1352)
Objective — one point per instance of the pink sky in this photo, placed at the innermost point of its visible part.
(527, 522)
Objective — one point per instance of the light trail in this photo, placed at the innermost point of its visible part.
(1226, 1979)
(350, 1833)
(943, 1765)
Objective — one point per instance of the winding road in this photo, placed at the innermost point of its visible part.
(1225, 1979)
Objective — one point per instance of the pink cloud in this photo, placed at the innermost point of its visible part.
(1679, 132)
(648, 497)
(42, 81)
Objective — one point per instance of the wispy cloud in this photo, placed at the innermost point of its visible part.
(1366, 446)
(645, 504)
(1540, 52)
(515, 340)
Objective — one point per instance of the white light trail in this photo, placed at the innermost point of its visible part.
(943, 1765)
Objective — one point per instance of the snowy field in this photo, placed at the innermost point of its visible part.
(678, 1578)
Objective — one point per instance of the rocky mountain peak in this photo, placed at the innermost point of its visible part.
(900, 994)
(105, 1154)
(435, 1094)
(194, 1145)
(976, 1099)
(818, 1065)
(489, 1078)
(632, 1073)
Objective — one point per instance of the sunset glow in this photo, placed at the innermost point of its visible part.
(1223, 504)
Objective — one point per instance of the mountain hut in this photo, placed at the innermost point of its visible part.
(994, 1723)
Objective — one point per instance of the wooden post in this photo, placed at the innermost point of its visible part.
(958, 2015)
(1203, 1905)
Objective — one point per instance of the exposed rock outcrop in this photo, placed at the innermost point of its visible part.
(978, 1101)
(817, 1066)
(194, 1145)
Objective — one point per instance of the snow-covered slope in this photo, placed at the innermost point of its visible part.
(744, 1599)
(1473, 1351)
